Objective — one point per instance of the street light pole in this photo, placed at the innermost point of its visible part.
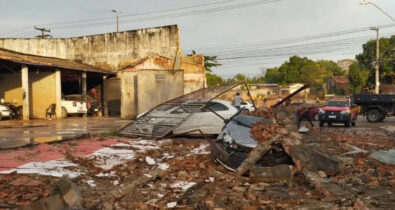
(377, 66)
(365, 2)
(117, 13)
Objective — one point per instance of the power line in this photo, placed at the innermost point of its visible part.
(97, 22)
(142, 14)
(306, 49)
(182, 14)
(289, 40)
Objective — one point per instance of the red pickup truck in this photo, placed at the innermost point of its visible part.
(339, 109)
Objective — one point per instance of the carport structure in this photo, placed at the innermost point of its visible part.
(36, 82)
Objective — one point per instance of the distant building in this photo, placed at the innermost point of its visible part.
(338, 85)
(265, 89)
(289, 89)
(345, 64)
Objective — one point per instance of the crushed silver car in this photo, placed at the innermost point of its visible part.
(235, 142)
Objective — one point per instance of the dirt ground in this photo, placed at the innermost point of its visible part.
(192, 180)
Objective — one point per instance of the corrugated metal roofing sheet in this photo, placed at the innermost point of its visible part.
(47, 61)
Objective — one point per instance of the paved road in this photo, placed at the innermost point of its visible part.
(362, 122)
(16, 133)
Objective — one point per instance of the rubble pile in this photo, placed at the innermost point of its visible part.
(24, 189)
(372, 181)
(332, 168)
(263, 133)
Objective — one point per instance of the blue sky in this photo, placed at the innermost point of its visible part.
(214, 33)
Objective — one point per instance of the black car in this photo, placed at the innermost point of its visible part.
(235, 142)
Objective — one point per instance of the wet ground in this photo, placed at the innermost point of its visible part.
(387, 124)
(16, 133)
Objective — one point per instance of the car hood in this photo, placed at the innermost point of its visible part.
(334, 109)
(239, 129)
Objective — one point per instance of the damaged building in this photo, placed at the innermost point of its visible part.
(36, 82)
(154, 52)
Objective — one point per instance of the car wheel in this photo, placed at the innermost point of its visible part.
(64, 112)
(321, 123)
(374, 116)
(315, 117)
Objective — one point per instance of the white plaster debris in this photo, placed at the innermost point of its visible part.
(165, 141)
(201, 150)
(116, 182)
(356, 150)
(121, 145)
(167, 156)
(105, 175)
(171, 205)
(56, 168)
(91, 183)
(160, 195)
(144, 145)
(149, 160)
(184, 185)
(148, 175)
(107, 158)
(303, 129)
(163, 166)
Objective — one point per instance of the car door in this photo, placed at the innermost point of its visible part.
(206, 121)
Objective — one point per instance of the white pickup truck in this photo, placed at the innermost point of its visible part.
(5, 111)
(71, 105)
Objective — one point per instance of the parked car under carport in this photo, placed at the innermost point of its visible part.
(73, 104)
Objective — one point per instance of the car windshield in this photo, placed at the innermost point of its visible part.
(245, 120)
(337, 103)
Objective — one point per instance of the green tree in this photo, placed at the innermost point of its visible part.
(240, 78)
(331, 67)
(358, 77)
(304, 70)
(273, 75)
(209, 61)
(367, 59)
(214, 80)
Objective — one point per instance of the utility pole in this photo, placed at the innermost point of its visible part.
(117, 13)
(377, 66)
(43, 30)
